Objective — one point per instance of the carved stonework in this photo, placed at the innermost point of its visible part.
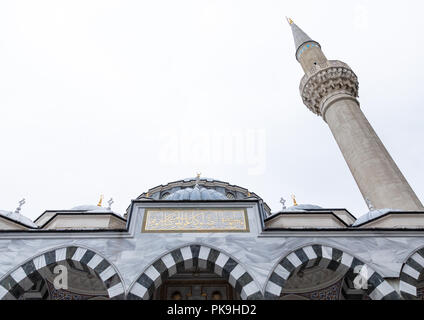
(327, 79)
(332, 292)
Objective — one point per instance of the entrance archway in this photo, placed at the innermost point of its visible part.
(194, 257)
(412, 277)
(343, 267)
(34, 276)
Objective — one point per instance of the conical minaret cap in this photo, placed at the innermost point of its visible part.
(299, 36)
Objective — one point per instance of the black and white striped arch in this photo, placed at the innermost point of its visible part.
(333, 259)
(410, 274)
(24, 277)
(195, 256)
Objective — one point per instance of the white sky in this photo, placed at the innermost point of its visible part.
(115, 97)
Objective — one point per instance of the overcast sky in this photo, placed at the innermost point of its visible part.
(116, 97)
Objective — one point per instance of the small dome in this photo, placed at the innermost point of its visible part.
(303, 207)
(18, 218)
(196, 193)
(372, 215)
(89, 208)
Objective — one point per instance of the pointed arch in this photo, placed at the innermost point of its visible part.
(410, 273)
(195, 255)
(331, 258)
(22, 278)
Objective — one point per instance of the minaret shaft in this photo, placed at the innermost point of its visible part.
(329, 88)
(376, 174)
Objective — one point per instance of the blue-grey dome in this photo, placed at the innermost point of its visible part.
(90, 208)
(373, 214)
(303, 207)
(196, 193)
(16, 216)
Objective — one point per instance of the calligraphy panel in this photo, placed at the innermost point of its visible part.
(195, 220)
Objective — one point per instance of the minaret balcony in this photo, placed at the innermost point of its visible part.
(326, 79)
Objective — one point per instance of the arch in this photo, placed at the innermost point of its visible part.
(190, 256)
(333, 259)
(23, 277)
(411, 270)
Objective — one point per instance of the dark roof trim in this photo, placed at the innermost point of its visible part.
(266, 230)
(32, 231)
(323, 209)
(336, 209)
(81, 214)
(73, 212)
(389, 213)
(18, 222)
(348, 229)
(294, 213)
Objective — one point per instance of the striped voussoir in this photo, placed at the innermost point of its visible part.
(195, 256)
(24, 277)
(376, 287)
(410, 274)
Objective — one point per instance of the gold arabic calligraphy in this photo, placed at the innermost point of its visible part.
(193, 220)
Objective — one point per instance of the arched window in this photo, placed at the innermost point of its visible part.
(164, 195)
(230, 196)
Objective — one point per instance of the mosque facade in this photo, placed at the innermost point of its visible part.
(206, 239)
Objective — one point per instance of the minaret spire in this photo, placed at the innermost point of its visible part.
(308, 51)
(329, 89)
(300, 37)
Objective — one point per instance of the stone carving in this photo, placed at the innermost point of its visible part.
(325, 80)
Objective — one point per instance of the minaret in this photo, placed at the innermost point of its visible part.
(329, 89)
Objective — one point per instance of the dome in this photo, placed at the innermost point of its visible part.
(90, 208)
(18, 218)
(196, 193)
(303, 207)
(201, 178)
(373, 214)
(207, 189)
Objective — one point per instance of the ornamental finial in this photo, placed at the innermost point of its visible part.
(290, 21)
(21, 203)
(110, 202)
(100, 201)
(294, 200)
(283, 202)
(369, 204)
(198, 178)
